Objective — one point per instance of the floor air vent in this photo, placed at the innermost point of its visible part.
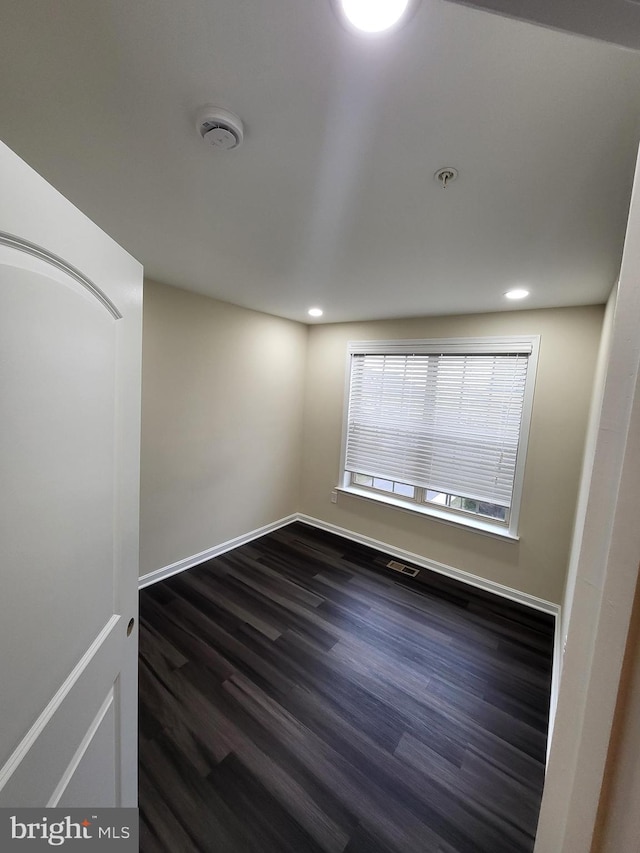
(400, 567)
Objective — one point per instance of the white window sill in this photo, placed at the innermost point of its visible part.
(479, 525)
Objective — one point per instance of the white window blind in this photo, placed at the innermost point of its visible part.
(449, 422)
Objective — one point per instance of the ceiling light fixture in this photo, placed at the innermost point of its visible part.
(315, 312)
(374, 16)
(517, 293)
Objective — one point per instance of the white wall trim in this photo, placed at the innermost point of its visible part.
(440, 568)
(491, 344)
(210, 553)
(456, 519)
(556, 673)
(16, 757)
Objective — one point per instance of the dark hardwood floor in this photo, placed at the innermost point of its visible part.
(295, 695)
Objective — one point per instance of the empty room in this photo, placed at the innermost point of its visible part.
(320, 449)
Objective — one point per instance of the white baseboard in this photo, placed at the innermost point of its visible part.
(442, 569)
(210, 553)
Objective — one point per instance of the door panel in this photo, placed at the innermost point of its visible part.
(70, 345)
(90, 777)
(42, 765)
(57, 352)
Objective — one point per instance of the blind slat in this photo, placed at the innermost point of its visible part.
(449, 423)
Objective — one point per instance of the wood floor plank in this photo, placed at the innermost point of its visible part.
(297, 697)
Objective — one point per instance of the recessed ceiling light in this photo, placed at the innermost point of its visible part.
(374, 16)
(517, 293)
(315, 312)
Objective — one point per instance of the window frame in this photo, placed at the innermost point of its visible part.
(525, 344)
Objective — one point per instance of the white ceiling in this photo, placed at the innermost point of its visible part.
(331, 199)
(617, 21)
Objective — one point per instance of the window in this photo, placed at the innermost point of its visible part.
(441, 426)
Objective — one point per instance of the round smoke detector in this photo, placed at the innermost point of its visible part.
(219, 128)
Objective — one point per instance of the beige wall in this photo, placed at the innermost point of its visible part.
(537, 564)
(222, 394)
(222, 436)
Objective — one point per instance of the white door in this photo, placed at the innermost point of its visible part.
(70, 356)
